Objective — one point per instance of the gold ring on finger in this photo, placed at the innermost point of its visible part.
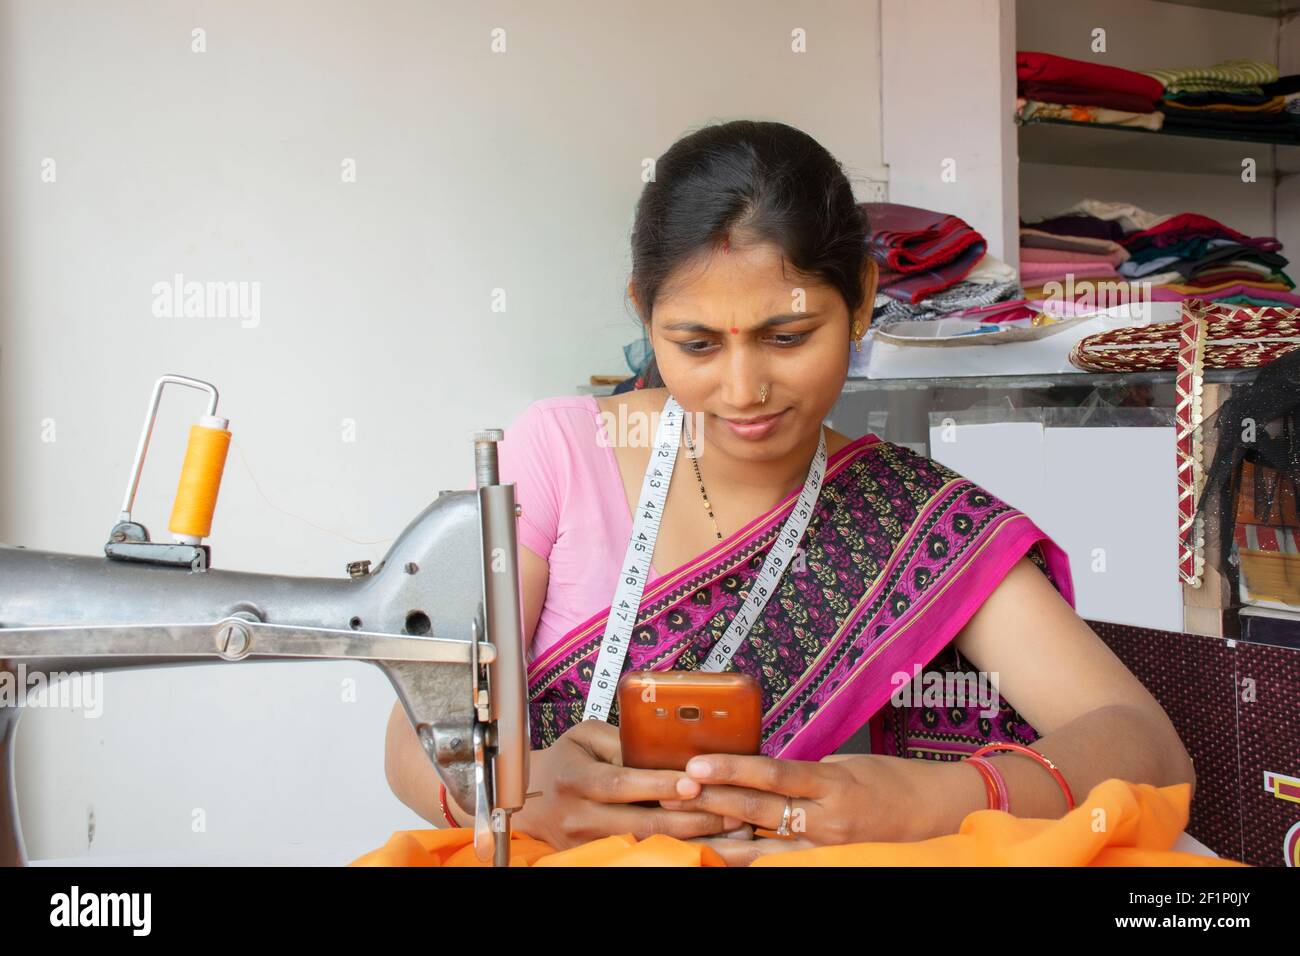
(784, 828)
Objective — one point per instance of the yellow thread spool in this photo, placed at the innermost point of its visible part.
(196, 493)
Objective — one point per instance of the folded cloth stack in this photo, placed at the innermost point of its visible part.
(1048, 78)
(990, 301)
(1057, 87)
(1177, 257)
(1033, 111)
(920, 252)
(1083, 242)
(932, 264)
(1238, 97)
(1287, 87)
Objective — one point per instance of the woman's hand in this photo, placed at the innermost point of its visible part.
(844, 798)
(587, 794)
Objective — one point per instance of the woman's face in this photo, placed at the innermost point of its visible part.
(725, 327)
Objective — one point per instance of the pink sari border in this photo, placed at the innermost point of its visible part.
(736, 543)
(950, 609)
(851, 622)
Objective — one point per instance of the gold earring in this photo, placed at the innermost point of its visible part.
(762, 394)
(857, 335)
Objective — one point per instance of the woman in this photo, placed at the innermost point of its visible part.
(751, 279)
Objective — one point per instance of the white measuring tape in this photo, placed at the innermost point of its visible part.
(640, 552)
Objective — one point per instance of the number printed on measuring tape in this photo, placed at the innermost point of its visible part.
(637, 560)
(640, 553)
(774, 565)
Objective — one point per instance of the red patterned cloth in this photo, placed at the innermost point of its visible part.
(909, 239)
(1236, 337)
(1189, 225)
(920, 251)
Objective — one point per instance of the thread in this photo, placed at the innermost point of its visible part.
(243, 458)
(196, 493)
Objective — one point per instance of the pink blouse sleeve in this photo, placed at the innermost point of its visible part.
(526, 456)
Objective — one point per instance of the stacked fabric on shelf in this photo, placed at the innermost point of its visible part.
(1206, 257)
(1287, 87)
(1083, 242)
(997, 300)
(1172, 256)
(1034, 111)
(933, 264)
(920, 252)
(1240, 97)
(1236, 97)
(1048, 78)
(1059, 88)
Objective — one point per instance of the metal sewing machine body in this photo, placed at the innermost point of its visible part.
(440, 616)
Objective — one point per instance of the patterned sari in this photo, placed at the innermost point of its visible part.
(899, 554)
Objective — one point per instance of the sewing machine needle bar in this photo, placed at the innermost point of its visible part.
(230, 639)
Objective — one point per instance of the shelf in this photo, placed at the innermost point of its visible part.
(1067, 143)
(1227, 376)
(854, 383)
(1274, 139)
(1254, 8)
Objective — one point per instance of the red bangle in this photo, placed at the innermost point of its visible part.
(995, 785)
(442, 802)
(1042, 761)
(990, 788)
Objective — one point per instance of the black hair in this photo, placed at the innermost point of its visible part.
(765, 181)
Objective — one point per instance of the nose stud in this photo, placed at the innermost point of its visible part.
(762, 394)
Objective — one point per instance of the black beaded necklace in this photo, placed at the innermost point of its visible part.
(703, 494)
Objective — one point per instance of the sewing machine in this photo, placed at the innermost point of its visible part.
(440, 616)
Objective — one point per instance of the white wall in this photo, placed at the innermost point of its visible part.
(949, 137)
(475, 171)
(1142, 34)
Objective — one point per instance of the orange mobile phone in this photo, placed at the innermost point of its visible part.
(667, 717)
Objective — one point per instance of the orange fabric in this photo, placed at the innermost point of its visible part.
(1119, 824)
(456, 848)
